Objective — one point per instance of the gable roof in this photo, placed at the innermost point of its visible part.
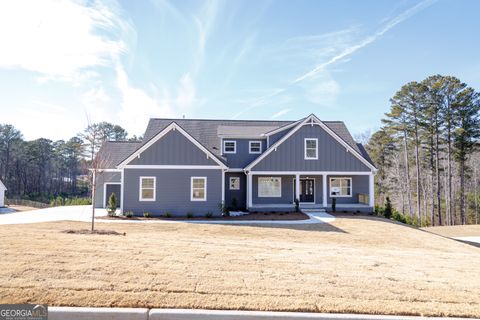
(172, 126)
(343, 136)
(209, 132)
(113, 152)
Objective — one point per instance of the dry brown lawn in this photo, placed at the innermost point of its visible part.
(356, 264)
(456, 231)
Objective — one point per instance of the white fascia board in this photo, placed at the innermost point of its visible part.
(311, 120)
(172, 126)
(154, 166)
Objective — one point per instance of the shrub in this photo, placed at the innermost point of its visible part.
(297, 205)
(234, 204)
(112, 205)
(189, 215)
(167, 215)
(334, 204)
(147, 214)
(388, 209)
(128, 214)
(223, 209)
(209, 215)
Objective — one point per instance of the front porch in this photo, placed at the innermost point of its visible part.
(277, 191)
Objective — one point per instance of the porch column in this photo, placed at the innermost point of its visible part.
(297, 187)
(223, 186)
(122, 177)
(249, 190)
(371, 190)
(324, 190)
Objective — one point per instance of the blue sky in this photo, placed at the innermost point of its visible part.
(64, 64)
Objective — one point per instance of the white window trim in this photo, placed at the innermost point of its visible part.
(191, 189)
(230, 183)
(258, 187)
(330, 187)
(140, 197)
(250, 147)
(234, 146)
(305, 149)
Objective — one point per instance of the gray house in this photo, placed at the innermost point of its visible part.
(186, 165)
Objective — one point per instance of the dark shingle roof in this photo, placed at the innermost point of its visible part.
(364, 153)
(207, 133)
(113, 152)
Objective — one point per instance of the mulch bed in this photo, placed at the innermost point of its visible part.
(251, 216)
(100, 232)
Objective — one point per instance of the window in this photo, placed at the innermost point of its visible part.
(255, 146)
(147, 188)
(311, 149)
(269, 187)
(234, 183)
(198, 189)
(229, 146)
(340, 187)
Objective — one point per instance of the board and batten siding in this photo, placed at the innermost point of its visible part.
(172, 192)
(101, 179)
(242, 157)
(287, 191)
(332, 156)
(173, 149)
(359, 185)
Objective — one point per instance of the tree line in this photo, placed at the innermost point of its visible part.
(43, 169)
(427, 152)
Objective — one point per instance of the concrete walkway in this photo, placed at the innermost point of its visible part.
(83, 213)
(468, 239)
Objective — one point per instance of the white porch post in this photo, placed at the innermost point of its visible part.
(297, 187)
(249, 189)
(324, 190)
(223, 186)
(122, 175)
(371, 190)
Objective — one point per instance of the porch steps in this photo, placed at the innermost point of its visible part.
(310, 210)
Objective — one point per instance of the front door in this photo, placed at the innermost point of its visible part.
(307, 190)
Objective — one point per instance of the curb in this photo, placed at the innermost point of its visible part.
(78, 313)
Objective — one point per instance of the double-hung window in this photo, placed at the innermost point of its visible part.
(340, 187)
(147, 188)
(311, 149)
(234, 183)
(255, 147)
(229, 146)
(198, 187)
(269, 187)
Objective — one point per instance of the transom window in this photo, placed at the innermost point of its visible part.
(234, 183)
(255, 146)
(269, 187)
(311, 149)
(340, 187)
(229, 146)
(198, 189)
(147, 188)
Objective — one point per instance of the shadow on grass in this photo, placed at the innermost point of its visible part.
(320, 227)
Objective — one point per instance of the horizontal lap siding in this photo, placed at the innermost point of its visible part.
(172, 192)
(240, 195)
(287, 191)
(332, 156)
(101, 179)
(242, 157)
(360, 184)
(173, 149)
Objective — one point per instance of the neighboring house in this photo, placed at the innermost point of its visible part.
(186, 165)
(2, 194)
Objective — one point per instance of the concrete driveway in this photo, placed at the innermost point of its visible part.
(74, 213)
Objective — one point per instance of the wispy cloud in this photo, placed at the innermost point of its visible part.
(58, 39)
(280, 113)
(341, 51)
(365, 42)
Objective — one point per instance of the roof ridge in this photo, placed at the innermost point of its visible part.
(116, 141)
(233, 120)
